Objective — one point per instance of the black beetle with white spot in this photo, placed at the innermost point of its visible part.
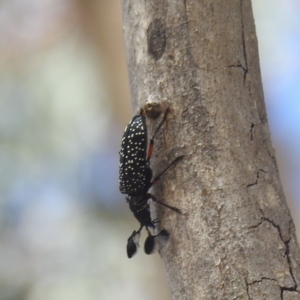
(135, 179)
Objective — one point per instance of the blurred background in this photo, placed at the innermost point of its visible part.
(64, 103)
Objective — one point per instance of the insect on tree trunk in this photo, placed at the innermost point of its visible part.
(237, 239)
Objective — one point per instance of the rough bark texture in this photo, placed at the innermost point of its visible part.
(237, 239)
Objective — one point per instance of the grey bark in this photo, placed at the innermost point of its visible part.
(237, 239)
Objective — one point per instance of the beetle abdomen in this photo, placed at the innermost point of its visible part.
(133, 177)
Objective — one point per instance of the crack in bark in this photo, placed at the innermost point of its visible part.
(282, 289)
(257, 177)
(257, 281)
(286, 253)
(286, 289)
(260, 280)
(255, 226)
(238, 66)
(244, 44)
(247, 288)
(244, 68)
(262, 220)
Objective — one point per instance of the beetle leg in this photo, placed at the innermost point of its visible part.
(156, 178)
(150, 196)
(151, 144)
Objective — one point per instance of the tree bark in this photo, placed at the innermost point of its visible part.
(237, 239)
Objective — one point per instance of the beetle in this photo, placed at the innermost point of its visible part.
(135, 180)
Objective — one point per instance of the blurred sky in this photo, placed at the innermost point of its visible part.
(64, 101)
(278, 31)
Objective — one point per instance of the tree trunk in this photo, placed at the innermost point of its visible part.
(237, 239)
